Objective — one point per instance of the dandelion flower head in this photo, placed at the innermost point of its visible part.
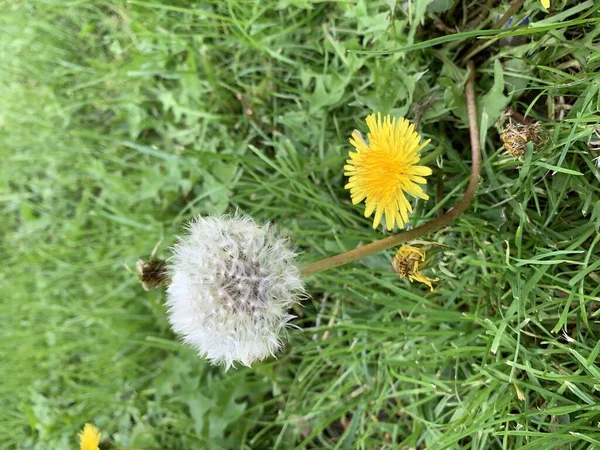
(383, 170)
(406, 264)
(546, 3)
(89, 438)
(233, 284)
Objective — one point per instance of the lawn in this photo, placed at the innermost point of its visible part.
(121, 120)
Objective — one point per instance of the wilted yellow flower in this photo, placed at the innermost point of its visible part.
(384, 169)
(89, 438)
(546, 3)
(406, 264)
(516, 136)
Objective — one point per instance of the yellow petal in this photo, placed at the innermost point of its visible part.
(404, 205)
(399, 219)
(546, 3)
(357, 198)
(423, 171)
(358, 143)
(89, 438)
(372, 123)
(419, 180)
(357, 136)
(415, 190)
(403, 210)
(423, 279)
(369, 210)
(390, 217)
(423, 145)
(378, 215)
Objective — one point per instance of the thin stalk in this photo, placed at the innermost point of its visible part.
(429, 227)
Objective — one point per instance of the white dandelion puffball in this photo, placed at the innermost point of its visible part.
(233, 284)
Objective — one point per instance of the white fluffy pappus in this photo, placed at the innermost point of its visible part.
(233, 284)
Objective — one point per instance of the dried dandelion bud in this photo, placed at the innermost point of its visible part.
(516, 136)
(233, 284)
(406, 264)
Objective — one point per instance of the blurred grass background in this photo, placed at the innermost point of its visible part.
(120, 120)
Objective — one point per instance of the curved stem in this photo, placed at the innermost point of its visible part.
(429, 227)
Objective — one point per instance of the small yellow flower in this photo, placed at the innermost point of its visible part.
(89, 438)
(546, 3)
(383, 170)
(406, 264)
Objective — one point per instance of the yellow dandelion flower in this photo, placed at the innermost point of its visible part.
(383, 170)
(546, 3)
(89, 438)
(406, 264)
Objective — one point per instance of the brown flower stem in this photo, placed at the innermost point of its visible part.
(429, 227)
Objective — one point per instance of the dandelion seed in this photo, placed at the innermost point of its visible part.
(233, 283)
(520, 394)
(406, 264)
(89, 438)
(568, 338)
(383, 170)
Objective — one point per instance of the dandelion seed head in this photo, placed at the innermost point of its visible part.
(233, 283)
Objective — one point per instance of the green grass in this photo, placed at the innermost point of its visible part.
(120, 120)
